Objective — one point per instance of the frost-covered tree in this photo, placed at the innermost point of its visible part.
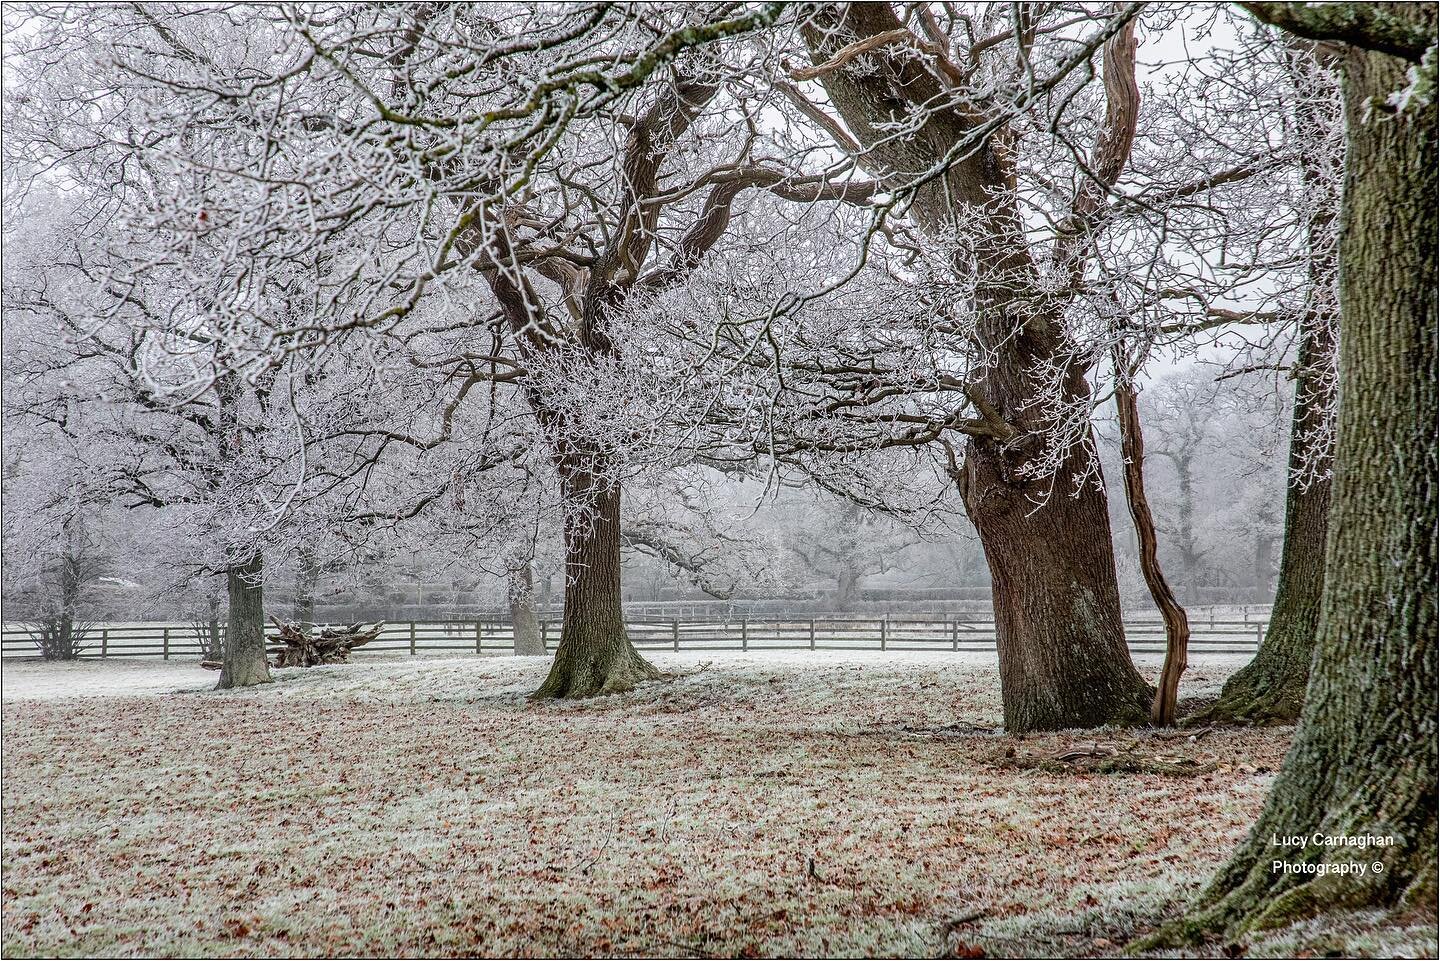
(158, 423)
(844, 543)
(1037, 212)
(56, 544)
(954, 162)
(1272, 686)
(470, 192)
(512, 261)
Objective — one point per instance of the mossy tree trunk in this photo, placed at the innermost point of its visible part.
(245, 664)
(1271, 688)
(1364, 759)
(595, 655)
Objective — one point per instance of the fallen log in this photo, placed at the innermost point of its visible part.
(298, 647)
(1099, 757)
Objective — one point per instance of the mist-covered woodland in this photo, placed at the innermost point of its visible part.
(1057, 316)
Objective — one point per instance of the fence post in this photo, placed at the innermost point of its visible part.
(1259, 633)
(412, 637)
(477, 637)
(104, 641)
(812, 633)
(165, 644)
(884, 623)
(955, 634)
(675, 631)
(545, 634)
(744, 634)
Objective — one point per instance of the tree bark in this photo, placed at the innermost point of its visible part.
(1263, 560)
(595, 655)
(1063, 658)
(1364, 760)
(1271, 688)
(1189, 547)
(845, 585)
(213, 640)
(1177, 625)
(245, 663)
(520, 589)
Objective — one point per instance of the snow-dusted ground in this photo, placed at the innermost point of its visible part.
(399, 677)
(32, 679)
(828, 804)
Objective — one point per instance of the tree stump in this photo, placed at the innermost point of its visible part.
(299, 647)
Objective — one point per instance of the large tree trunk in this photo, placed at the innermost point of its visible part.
(1063, 658)
(595, 655)
(1058, 628)
(245, 663)
(520, 590)
(1364, 760)
(1271, 688)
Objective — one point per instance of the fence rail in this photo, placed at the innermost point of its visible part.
(177, 641)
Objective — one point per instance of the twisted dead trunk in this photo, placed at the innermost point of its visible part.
(1177, 624)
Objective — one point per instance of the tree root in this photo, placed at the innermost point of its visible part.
(594, 673)
(1254, 697)
(299, 647)
(1238, 906)
(250, 677)
(1261, 710)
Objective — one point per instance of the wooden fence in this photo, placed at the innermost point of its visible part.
(780, 632)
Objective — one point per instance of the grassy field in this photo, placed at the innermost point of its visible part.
(801, 804)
